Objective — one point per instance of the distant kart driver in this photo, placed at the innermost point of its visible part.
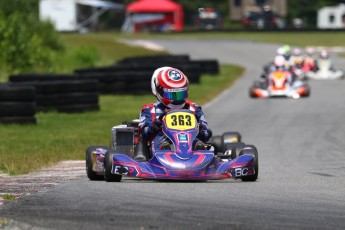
(170, 87)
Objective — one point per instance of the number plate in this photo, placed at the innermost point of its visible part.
(180, 121)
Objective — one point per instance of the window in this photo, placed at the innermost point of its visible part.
(331, 18)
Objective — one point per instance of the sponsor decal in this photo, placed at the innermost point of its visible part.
(175, 90)
(238, 172)
(119, 169)
(174, 75)
(182, 137)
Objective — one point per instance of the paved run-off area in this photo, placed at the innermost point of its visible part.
(16, 187)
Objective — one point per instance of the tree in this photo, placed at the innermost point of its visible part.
(25, 42)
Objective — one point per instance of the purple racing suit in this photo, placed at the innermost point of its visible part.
(151, 133)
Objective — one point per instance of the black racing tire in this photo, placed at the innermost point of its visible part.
(90, 173)
(231, 137)
(217, 143)
(108, 164)
(307, 94)
(251, 150)
(17, 109)
(209, 66)
(11, 92)
(18, 120)
(251, 93)
(68, 86)
(39, 77)
(155, 58)
(65, 99)
(235, 147)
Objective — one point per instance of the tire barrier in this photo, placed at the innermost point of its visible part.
(154, 58)
(131, 75)
(63, 93)
(17, 104)
(209, 66)
(128, 76)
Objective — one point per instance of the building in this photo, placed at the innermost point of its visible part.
(74, 15)
(331, 17)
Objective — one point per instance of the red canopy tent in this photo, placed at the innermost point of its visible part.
(173, 12)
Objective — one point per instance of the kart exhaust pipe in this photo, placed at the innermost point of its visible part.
(141, 151)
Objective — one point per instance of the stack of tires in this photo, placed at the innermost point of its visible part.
(132, 75)
(209, 66)
(114, 81)
(63, 93)
(17, 104)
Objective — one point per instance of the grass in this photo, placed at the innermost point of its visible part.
(8, 197)
(106, 45)
(59, 136)
(3, 222)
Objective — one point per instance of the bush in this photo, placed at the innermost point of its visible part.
(86, 56)
(26, 44)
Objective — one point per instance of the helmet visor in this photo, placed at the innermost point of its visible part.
(175, 94)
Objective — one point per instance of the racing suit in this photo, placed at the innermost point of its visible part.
(151, 131)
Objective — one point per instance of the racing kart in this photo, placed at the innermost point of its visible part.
(278, 86)
(325, 72)
(224, 156)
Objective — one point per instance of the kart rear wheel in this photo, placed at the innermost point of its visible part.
(307, 94)
(231, 137)
(217, 143)
(234, 148)
(251, 150)
(89, 163)
(108, 165)
(251, 93)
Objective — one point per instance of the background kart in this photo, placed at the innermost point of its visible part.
(225, 155)
(279, 87)
(325, 72)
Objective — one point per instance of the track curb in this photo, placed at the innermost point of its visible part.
(23, 185)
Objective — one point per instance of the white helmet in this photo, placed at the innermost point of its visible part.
(280, 51)
(279, 61)
(296, 52)
(324, 54)
(310, 51)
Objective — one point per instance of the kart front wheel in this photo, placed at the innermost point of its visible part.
(108, 165)
(251, 150)
(89, 163)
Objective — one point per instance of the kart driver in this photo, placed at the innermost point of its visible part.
(280, 65)
(324, 56)
(170, 87)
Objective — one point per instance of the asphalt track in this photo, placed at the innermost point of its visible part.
(302, 165)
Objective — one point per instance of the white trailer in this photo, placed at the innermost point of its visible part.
(64, 14)
(331, 17)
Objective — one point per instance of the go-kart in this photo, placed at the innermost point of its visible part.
(224, 156)
(277, 86)
(325, 72)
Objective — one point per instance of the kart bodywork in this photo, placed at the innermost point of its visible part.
(180, 162)
(278, 87)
